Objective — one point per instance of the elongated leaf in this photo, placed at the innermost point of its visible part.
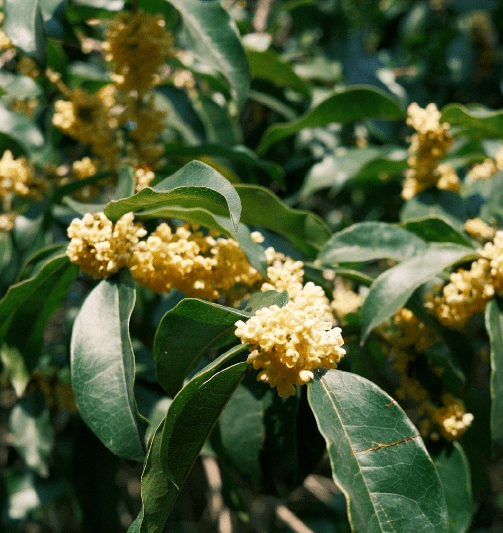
(370, 240)
(378, 458)
(214, 37)
(266, 65)
(102, 364)
(180, 437)
(24, 312)
(207, 325)
(454, 471)
(477, 121)
(349, 105)
(305, 230)
(494, 326)
(24, 131)
(194, 185)
(434, 202)
(25, 27)
(436, 228)
(391, 290)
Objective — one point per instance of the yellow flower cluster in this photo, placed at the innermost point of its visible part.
(17, 176)
(5, 42)
(479, 230)
(199, 265)
(100, 247)
(345, 300)
(428, 146)
(143, 177)
(137, 44)
(85, 117)
(451, 420)
(468, 291)
(488, 168)
(288, 343)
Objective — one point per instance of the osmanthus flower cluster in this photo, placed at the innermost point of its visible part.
(287, 343)
(468, 291)
(429, 144)
(406, 337)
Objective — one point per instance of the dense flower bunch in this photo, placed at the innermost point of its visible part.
(428, 146)
(101, 247)
(405, 337)
(479, 230)
(488, 168)
(288, 343)
(137, 44)
(345, 300)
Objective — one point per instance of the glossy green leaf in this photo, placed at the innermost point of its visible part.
(102, 365)
(194, 185)
(454, 471)
(370, 240)
(477, 121)
(25, 27)
(378, 458)
(436, 228)
(24, 131)
(266, 65)
(306, 231)
(32, 431)
(434, 202)
(176, 355)
(239, 153)
(19, 86)
(391, 290)
(351, 104)
(214, 38)
(180, 437)
(24, 312)
(494, 326)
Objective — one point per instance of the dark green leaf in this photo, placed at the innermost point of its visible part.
(494, 326)
(436, 228)
(194, 185)
(220, 127)
(391, 290)
(189, 420)
(434, 202)
(307, 232)
(478, 121)
(454, 471)
(266, 65)
(25, 27)
(370, 240)
(214, 37)
(102, 363)
(186, 333)
(24, 312)
(351, 104)
(378, 458)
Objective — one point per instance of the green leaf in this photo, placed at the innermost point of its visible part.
(434, 202)
(214, 38)
(266, 65)
(24, 312)
(24, 131)
(239, 153)
(478, 121)
(391, 290)
(306, 231)
(378, 458)
(19, 86)
(32, 431)
(370, 240)
(102, 364)
(204, 325)
(194, 185)
(454, 471)
(25, 28)
(180, 437)
(351, 104)
(436, 228)
(207, 325)
(494, 326)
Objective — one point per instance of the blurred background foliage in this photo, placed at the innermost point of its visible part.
(55, 474)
